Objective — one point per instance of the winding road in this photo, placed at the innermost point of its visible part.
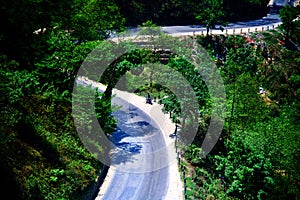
(137, 171)
(136, 166)
(143, 158)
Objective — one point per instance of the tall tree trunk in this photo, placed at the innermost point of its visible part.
(207, 31)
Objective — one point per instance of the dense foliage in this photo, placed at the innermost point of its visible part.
(258, 155)
(43, 43)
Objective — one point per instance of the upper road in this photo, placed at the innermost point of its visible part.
(271, 21)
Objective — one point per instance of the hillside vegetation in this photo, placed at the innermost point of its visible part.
(43, 44)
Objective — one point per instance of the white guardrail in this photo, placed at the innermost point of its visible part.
(230, 31)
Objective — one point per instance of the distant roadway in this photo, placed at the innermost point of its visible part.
(271, 21)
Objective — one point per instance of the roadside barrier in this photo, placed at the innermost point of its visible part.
(239, 31)
(181, 167)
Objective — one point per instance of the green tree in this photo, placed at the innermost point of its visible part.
(20, 19)
(247, 171)
(245, 9)
(95, 19)
(290, 24)
(210, 14)
(28, 25)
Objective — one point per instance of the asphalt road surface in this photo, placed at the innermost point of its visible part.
(137, 171)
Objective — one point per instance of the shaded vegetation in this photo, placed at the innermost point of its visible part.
(43, 44)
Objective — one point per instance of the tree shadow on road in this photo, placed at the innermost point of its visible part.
(131, 132)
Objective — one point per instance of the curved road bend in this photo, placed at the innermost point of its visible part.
(137, 173)
(138, 155)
